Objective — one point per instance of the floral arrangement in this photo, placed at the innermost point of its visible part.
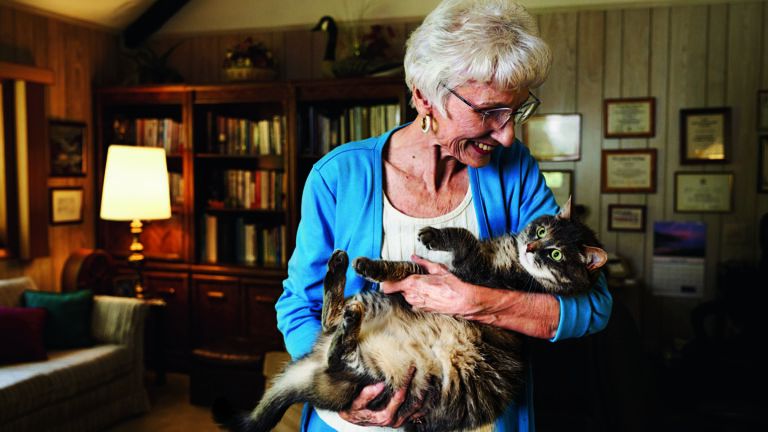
(249, 60)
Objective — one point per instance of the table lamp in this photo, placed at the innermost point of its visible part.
(135, 189)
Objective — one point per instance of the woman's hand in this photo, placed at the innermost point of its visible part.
(359, 414)
(438, 291)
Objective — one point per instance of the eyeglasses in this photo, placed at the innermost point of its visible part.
(497, 118)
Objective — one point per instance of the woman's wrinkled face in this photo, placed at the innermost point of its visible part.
(462, 132)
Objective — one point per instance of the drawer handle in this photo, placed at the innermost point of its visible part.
(263, 298)
(215, 294)
(167, 291)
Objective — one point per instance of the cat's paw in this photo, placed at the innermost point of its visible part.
(365, 267)
(338, 261)
(353, 313)
(430, 237)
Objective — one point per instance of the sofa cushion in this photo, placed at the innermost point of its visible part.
(11, 290)
(69, 317)
(21, 334)
(27, 387)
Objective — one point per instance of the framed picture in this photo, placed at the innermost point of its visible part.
(561, 184)
(629, 118)
(553, 137)
(703, 192)
(66, 205)
(762, 165)
(625, 217)
(705, 135)
(67, 148)
(762, 110)
(628, 171)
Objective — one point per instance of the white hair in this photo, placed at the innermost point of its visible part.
(487, 41)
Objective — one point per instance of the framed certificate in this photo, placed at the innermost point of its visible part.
(553, 137)
(628, 171)
(629, 118)
(762, 166)
(66, 205)
(624, 217)
(703, 192)
(561, 184)
(762, 110)
(705, 135)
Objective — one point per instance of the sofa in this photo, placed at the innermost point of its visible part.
(83, 389)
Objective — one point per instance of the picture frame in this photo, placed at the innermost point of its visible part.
(560, 182)
(762, 164)
(553, 137)
(762, 110)
(628, 171)
(66, 147)
(703, 192)
(629, 117)
(66, 204)
(626, 217)
(705, 135)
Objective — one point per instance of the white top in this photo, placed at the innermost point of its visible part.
(400, 241)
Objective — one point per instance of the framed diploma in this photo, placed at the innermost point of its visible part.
(553, 137)
(703, 192)
(560, 182)
(705, 135)
(762, 166)
(66, 205)
(762, 110)
(629, 118)
(623, 217)
(628, 171)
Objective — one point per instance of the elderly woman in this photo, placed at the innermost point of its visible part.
(471, 67)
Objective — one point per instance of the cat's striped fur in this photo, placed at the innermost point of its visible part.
(466, 373)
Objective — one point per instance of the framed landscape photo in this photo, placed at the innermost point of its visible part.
(553, 137)
(629, 118)
(705, 135)
(762, 110)
(625, 217)
(703, 192)
(66, 148)
(66, 205)
(628, 171)
(762, 165)
(561, 184)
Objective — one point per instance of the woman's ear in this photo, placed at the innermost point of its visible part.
(422, 104)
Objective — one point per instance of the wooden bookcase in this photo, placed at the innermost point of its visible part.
(238, 155)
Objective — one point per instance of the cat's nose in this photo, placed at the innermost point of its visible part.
(532, 246)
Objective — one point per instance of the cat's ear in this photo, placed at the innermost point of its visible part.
(596, 257)
(565, 210)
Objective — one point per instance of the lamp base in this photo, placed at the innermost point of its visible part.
(136, 258)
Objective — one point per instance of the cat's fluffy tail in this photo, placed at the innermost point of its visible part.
(287, 389)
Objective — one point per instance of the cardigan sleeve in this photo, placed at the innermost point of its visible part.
(300, 305)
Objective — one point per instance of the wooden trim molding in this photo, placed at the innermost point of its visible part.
(26, 73)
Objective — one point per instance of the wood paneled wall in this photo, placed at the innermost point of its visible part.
(81, 58)
(685, 57)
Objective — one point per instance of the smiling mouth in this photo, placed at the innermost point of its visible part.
(481, 147)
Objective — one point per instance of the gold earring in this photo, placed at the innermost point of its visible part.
(426, 123)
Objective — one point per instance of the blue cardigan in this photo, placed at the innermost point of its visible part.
(342, 209)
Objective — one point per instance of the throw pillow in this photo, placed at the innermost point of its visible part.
(21, 334)
(69, 317)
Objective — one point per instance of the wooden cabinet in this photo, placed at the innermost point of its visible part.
(238, 156)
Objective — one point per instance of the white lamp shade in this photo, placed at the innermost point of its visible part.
(135, 184)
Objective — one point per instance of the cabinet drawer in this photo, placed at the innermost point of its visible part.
(217, 311)
(261, 316)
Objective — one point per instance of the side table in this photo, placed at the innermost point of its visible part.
(154, 338)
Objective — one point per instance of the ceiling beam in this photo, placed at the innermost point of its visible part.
(150, 21)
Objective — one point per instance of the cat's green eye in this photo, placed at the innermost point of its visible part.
(541, 232)
(556, 255)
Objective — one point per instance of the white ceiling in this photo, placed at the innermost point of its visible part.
(222, 15)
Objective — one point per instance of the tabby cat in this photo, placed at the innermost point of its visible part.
(466, 373)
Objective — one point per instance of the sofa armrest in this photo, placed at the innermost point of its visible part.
(119, 320)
